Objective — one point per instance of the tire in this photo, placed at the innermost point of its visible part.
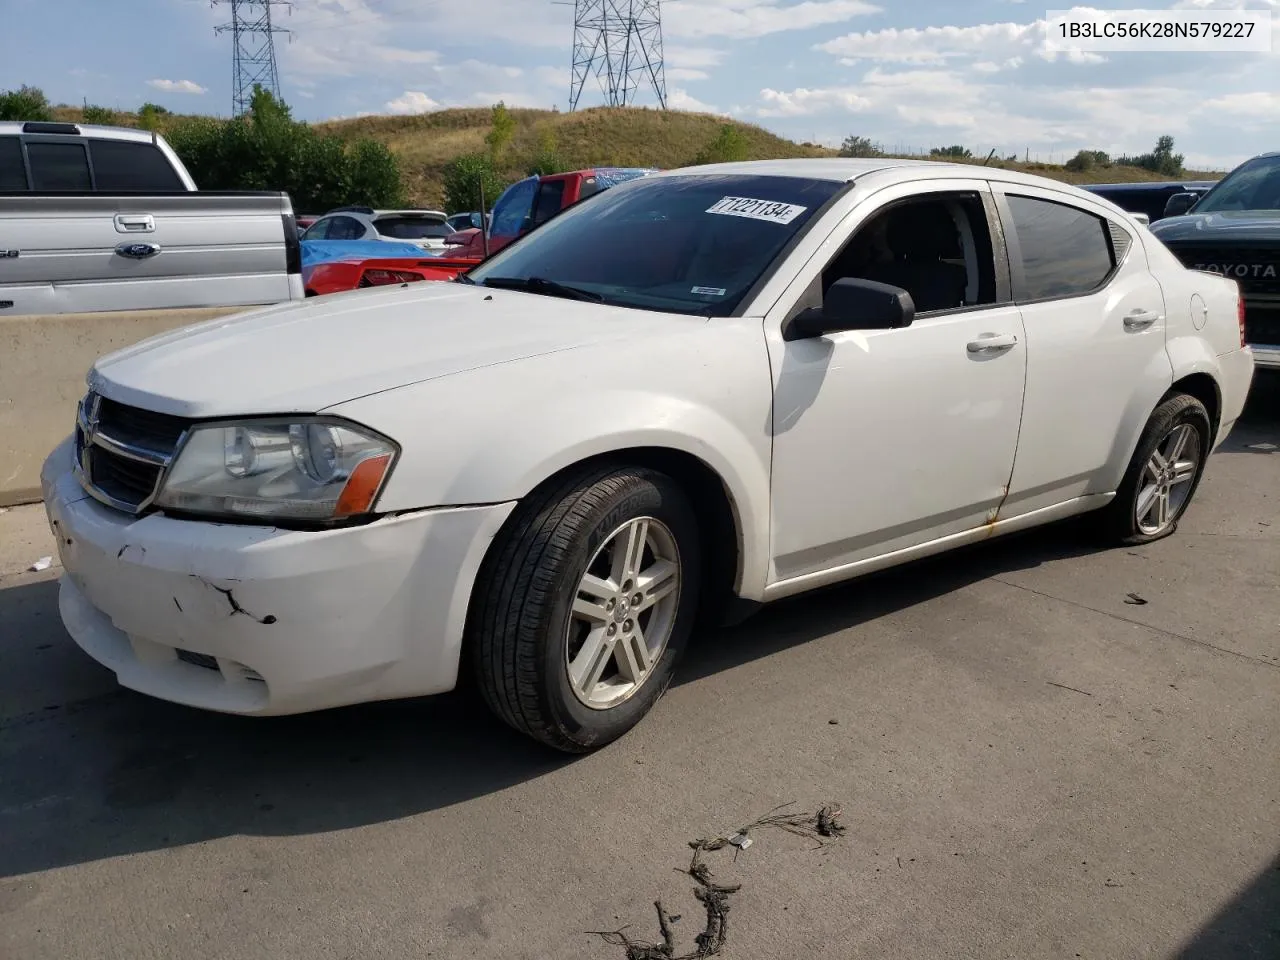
(1124, 521)
(528, 637)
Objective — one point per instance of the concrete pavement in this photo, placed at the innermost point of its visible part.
(1028, 765)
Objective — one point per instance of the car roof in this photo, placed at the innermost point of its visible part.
(416, 212)
(847, 170)
(14, 128)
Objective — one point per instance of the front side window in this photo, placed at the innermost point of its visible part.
(1254, 185)
(550, 200)
(58, 167)
(937, 248)
(694, 244)
(1065, 251)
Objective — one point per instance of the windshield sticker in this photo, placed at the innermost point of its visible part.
(709, 291)
(770, 210)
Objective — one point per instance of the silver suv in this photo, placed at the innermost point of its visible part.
(425, 228)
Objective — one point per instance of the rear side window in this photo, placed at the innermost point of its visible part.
(412, 228)
(13, 175)
(122, 165)
(58, 166)
(1065, 251)
(345, 228)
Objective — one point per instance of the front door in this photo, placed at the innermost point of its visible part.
(887, 439)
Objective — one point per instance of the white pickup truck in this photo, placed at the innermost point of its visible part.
(107, 218)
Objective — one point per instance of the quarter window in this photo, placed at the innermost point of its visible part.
(58, 166)
(122, 165)
(1064, 250)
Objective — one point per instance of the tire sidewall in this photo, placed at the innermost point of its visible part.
(1175, 411)
(648, 495)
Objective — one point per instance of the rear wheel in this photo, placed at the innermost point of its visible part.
(584, 605)
(1163, 474)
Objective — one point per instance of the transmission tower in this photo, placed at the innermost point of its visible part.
(619, 42)
(253, 49)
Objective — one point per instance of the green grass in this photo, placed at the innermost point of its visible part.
(603, 136)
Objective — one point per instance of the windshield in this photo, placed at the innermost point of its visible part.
(1254, 185)
(689, 244)
(412, 228)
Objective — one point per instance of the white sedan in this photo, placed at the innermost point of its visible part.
(692, 394)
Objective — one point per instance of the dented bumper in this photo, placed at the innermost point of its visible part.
(259, 620)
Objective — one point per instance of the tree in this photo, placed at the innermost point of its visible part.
(729, 146)
(150, 116)
(955, 152)
(266, 149)
(1161, 160)
(860, 147)
(502, 129)
(25, 103)
(463, 179)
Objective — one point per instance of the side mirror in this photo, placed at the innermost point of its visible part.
(1179, 204)
(854, 304)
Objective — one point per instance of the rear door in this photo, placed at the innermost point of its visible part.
(1095, 335)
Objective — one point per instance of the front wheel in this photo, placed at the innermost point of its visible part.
(1163, 474)
(584, 605)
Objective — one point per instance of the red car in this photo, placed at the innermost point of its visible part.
(340, 275)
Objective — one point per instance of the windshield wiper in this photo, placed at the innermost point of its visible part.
(543, 285)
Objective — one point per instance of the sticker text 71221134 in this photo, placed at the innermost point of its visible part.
(770, 210)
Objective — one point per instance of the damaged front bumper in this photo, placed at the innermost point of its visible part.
(259, 620)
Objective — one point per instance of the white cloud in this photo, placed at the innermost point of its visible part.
(1259, 104)
(936, 45)
(692, 57)
(743, 19)
(685, 73)
(805, 102)
(411, 101)
(679, 99)
(177, 86)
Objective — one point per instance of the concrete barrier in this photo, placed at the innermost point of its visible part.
(43, 362)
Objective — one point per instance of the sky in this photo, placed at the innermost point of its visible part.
(909, 74)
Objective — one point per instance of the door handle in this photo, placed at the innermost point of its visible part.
(137, 251)
(992, 343)
(1140, 319)
(135, 223)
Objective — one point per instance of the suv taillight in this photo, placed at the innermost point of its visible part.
(1240, 314)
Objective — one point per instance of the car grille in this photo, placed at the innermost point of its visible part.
(122, 451)
(1256, 269)
(199, 659)
(1262, 324)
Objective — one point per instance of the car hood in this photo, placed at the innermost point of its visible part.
(1230, 227)
(305, 356)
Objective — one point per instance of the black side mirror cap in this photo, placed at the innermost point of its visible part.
(854, 304)
(1180, 203)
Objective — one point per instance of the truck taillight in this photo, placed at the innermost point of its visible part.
(379, 278)
(1240, 314)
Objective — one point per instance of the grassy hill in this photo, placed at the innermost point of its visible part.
(633, 136)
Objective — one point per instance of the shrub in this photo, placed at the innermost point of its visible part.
(1087, 160)
(463, 179)
(860, 147)
(955, 152)
(501, 130)
(25, 103)
(547, 158)
(728, 146)
(99, 115)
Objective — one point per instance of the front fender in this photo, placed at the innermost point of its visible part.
(493, 435)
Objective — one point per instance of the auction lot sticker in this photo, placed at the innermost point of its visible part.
(770, 210)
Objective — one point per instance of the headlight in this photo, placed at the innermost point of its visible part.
(304, 469)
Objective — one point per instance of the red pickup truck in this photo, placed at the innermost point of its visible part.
(521, 207)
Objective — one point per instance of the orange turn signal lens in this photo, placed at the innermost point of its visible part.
(362, 486)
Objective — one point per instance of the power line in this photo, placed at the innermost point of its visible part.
(619, 42)
(253, 49)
